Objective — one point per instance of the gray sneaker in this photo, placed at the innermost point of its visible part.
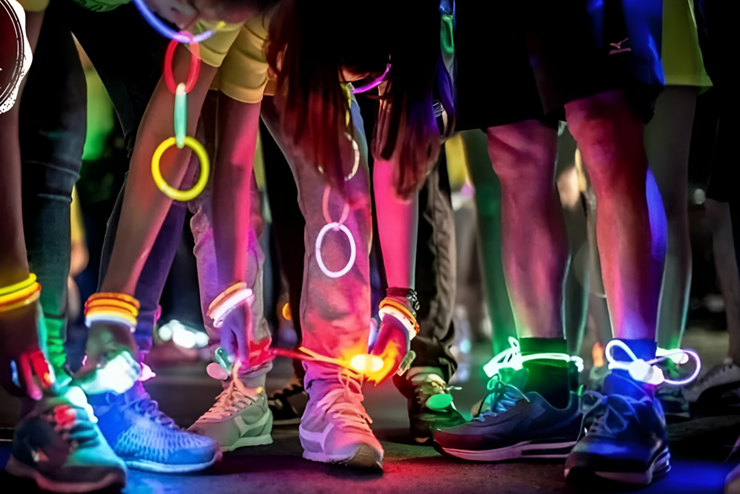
(240, 417)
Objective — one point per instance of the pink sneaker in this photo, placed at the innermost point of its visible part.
(335, 426)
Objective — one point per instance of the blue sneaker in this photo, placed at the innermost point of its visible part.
(627, 440)
(146, 439)
(513, 425)
(62, 450)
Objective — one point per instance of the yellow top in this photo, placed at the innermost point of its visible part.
(683, 63)
(34, 5)
(238, 51)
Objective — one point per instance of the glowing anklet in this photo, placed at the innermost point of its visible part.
(231, 298)
(117, 308)
(513, 358)
(20, 294)
(646, 371)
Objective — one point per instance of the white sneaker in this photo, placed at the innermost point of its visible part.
(335, 426)
(722, 378)
(240, 417)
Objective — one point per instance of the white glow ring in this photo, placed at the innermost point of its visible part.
(352, 255)
(356, 165)
(235, 299)
(90, 319)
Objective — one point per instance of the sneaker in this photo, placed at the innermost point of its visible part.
(60, 448)
(513, 425)
(627, 440)
(288, 404)
(674, 404)
(732, 482)
(596, 377)
(240, 417)
(335, 426)
(715, 384)
(430, 404)
(147, 439)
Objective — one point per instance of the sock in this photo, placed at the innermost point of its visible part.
(644, 349)
(547, 377)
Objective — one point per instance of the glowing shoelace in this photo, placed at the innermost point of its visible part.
(645, 370)
(500, 399)
(512, 358)
(349, 412)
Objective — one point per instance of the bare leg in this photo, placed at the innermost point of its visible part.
(667, 140)
(610, 136)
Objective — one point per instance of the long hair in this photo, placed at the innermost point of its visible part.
(309, 44)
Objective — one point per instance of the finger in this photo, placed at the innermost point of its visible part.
(26, 375)
(41, 368)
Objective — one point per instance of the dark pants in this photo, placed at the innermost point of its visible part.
(128, 55)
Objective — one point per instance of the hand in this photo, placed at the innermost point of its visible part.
(235, 333)
(23, 368)
(392, 345)
(109, 363)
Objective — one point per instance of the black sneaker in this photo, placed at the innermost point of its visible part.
(627, 440)
(430, 404)
(513, 425)
(288, 404)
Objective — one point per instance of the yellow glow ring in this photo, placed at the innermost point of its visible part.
(113, 303)
(205, 168)
(19, 295)
(19, 286)
(114, 296)
(26, 301)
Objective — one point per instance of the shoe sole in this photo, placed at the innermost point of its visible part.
(365, 458)
(522, 450)
(18, 469)
(152, 466)
(243, 442)
(660, 466)
(294, 421)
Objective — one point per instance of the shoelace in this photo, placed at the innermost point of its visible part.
(345, 403)
(500, 399)
(229, 402)
(645, 370)
(614, 408)
(149, 408)
(512, 358)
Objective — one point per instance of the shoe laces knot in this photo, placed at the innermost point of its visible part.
(229, 402)
(345, 403)
(500, 399)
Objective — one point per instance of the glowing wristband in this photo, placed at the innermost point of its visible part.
(181, 115)
(205, 168)
(645, 370)
(116, 296)
(193, 72)
(99, 303)
(112, 310)
(353, 250)
(166, 31)
(19, 286)
(513, 358)
(397, 310)
(233, 297)
(22, 303)
(94, 317)
(19, 295)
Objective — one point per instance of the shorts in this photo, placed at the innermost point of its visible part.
(525, 60)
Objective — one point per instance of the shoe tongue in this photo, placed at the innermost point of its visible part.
(518, 379)
(616, 384)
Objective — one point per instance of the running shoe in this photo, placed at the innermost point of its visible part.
(60, 448)
(288, 404)
(718, 385)
(335, 427)
(513, 425)
(240, 417)
(627, 440)
(430, 404)
(674, 404)
(147, 439)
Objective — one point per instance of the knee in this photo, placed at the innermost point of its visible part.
(523, 154)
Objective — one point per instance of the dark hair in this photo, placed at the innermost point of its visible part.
(310, 42)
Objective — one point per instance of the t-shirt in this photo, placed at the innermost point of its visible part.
(94, 5)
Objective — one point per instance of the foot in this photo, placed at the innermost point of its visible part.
(430, 404)
(627, 440)
(335, 426)
(718, 386)
(147, 439)
(62, 450)
(240, 417)
(513, 425)
(287, 405)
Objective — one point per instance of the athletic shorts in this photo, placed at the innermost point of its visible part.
(525, 59)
